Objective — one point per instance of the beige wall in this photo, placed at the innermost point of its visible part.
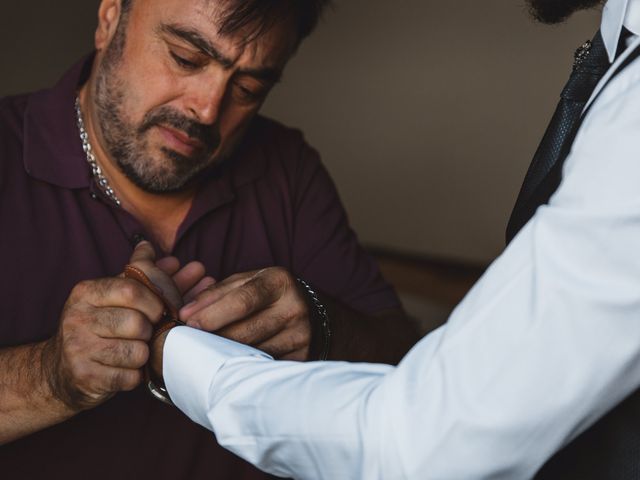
(426, 113)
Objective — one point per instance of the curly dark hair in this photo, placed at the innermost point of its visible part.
(557, 11)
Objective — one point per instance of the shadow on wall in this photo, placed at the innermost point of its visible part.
(427, 114)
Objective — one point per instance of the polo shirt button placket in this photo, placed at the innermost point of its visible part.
(136, 239)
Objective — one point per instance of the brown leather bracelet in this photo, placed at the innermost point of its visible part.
(170, 315)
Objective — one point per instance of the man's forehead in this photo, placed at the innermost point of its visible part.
(206, 18)
(204, 15)
(213, 10)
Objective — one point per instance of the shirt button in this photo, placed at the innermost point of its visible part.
(136, 239)
(94, 196)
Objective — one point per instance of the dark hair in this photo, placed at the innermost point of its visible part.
(255, 17)
(557, 11)
(125, 6)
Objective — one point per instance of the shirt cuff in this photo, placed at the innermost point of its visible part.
(191, 360)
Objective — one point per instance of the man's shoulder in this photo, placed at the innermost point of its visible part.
(268, 132)
(276, 149)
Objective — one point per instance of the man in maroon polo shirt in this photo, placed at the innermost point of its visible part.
(157, 136)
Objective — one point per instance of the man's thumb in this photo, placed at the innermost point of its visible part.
(144, 252)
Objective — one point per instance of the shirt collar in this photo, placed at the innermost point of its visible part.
(52, 147)
(615, 15)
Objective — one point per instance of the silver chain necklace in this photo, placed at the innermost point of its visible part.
(96, 171)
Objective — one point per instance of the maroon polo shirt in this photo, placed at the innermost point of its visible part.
(273, 204)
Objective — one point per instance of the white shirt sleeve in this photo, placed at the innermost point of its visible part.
(542, 346)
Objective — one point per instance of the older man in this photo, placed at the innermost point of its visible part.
(157, 136)
(543, 353)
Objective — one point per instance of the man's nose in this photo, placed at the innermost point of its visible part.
(205, 101)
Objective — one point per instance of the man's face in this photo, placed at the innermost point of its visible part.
(173, 97)
(555, 11)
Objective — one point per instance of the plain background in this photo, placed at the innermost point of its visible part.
(426, 112)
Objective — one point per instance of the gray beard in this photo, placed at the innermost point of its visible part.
(126, 142)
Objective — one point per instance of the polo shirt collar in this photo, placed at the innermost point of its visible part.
(52, 146)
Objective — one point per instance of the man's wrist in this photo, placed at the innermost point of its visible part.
(157, 353)
(154, 377)
(53, 388)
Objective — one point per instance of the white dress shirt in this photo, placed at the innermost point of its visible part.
(543, 345)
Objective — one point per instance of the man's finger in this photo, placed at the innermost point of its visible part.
(169, 265)
(130, 354)
(114, 379)
(143, 258)
(122, 323)
(288, 345)
(297, 356)
(238, 304)
(188, 276)
(202, 285)
(253, 331)
(120, 293)
(144, 252)
(215, 293)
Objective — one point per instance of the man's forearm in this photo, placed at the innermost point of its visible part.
(27, 403)
(382, 338)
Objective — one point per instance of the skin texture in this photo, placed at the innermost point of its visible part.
(161, 108)
(262, 308)
(172, 67)
(135, 117)
(167, 97)
(99, 349)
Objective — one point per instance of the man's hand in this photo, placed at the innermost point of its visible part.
(264, 309)
(190, 280)
(101, 344)
(99, 349)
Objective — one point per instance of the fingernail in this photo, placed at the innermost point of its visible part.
(188, 305)
(194, 324)
(187, 308)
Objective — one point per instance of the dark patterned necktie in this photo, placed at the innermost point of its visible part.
(590, 64)
(610, 449)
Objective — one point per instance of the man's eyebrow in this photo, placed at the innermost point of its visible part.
(268, 74)
(198, 41)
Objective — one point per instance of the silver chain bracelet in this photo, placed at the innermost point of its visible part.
(321, 316)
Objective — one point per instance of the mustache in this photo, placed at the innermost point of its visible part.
(208, 135)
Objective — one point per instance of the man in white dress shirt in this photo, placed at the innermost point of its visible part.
(542, 347)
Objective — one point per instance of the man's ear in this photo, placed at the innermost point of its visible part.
(108, 18)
